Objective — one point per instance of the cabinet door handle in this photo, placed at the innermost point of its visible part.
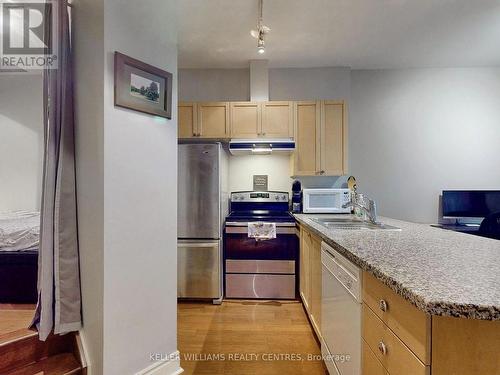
(321, 172)
(263, 133)
(382, 348)
(382, 304)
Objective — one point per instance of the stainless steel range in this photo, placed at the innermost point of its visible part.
(256, 267)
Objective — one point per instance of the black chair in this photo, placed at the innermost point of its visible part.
(490, 226)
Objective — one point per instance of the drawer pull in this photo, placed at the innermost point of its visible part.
(382, 348)
(383, 305)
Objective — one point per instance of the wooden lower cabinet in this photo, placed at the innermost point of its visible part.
(390, 351)
(370, 364)
(465, 346)
(304, 282)
(404, 340)
(411, 325)
(315, 280)
(396, 332)
(310, 277)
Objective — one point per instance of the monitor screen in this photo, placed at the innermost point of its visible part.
(470, 203)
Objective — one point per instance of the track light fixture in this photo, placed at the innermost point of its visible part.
(261, 30)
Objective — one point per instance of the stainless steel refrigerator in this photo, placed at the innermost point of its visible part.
(202, 208)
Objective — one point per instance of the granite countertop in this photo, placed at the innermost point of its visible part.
(439, 271)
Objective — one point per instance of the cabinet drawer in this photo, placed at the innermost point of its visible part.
(370, 364)
(260, 286)
(411, 325)
(388, 348)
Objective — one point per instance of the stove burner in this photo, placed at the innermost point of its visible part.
(261, 215)
(260, 206)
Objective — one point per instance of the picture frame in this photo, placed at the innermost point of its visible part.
(142, 87)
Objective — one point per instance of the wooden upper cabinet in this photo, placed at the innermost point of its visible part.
(213, 120)
(277, 120)
(320, 139)
(246, 120)
(307, 131)
(187, 120)
(333, 138)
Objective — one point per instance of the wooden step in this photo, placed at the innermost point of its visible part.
(59, 364)
(25, 350)
(22, 353)
(14, 321)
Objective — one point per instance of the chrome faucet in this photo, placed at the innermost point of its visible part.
(367, 205)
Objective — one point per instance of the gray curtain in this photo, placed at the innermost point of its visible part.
(59, 298)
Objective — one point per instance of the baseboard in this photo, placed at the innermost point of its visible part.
(167, 367)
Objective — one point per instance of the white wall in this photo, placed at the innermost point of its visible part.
(127, 189)
(413, 133)
(309, 83)
(214, 84)
(21, 141)
(284, 84)
(243, 167)
(88, 34)
(140, 190)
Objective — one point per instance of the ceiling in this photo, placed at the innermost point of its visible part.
(351, 33)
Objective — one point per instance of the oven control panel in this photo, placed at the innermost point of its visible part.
(259, 196)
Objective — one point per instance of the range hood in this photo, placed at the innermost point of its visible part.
(260, 146)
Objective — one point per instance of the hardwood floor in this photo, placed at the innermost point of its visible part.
(14, 321)
(247, 337)
(22, 353)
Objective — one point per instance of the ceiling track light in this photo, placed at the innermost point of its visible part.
(261, 48)
(261, 30)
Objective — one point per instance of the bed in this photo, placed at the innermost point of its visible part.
(19, 240)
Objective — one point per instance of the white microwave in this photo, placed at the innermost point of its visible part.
(326, 201)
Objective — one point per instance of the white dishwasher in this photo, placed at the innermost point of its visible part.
(340, 313)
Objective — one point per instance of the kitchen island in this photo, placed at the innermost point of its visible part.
(443, 292)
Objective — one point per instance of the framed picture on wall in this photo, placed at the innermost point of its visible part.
(142, 87)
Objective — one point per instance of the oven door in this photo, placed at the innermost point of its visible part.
(264, 269)
(237, 244)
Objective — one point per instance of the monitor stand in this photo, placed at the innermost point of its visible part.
(460, 226)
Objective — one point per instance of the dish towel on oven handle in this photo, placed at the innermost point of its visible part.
(261, 230)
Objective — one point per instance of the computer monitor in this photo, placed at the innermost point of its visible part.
(470, 203)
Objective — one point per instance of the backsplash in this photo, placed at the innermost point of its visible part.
(242, 169)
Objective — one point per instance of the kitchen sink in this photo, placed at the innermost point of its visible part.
(352, 224)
